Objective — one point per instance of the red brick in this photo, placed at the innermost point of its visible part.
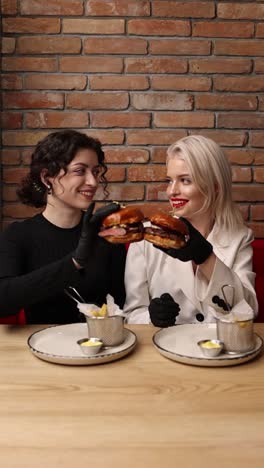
(241, 174)
(126, 155)
(224, 137)
(181, 83)
(183, 9)
(24, 138)
(122, 192)
(116, 174)
(107, 137)
(49, 45)
(8, 45)
(260, 30)
(97, 101)
(238, 47)
(258, 157)
(161, 101)
(159, 155)
(51, 7)
(155, 65)
(11, 120)
(94, 26)
(24, 100)
(118, 8)
(259, 65)
(226, 101)
(184, 119)
(240, 120)
(9, 193)
(216, 65)
(244, 210)
(14, 175)
(257, 213)
(11, 81)
(91, 64)
(10, 157)
(57, 119)
(238, 10)
(259, 176)
(26, 156)
(180, 47)
(133, 82)
(154, 137)
(238, 156)
(239, 83)
(261, 103)
(257, 228)
(151, 208)
(153, 27)
(120, 119)
(222, 29)
(38, 64)
(157, 192)
(147, 174)
(247, 192)
(31, 25)
(8, 7)
(107, 45)
(45, 81)
(257, 139)
(18, 211)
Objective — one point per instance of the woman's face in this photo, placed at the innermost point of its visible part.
(184, 196)
(77, 187)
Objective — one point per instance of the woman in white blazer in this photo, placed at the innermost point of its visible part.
(185, 285)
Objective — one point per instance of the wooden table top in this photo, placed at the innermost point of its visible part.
(141, 411)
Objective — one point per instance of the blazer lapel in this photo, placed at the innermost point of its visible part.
(184, 279)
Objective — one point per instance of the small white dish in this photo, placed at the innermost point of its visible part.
(90, 346)
(211, 348)
(58, 344)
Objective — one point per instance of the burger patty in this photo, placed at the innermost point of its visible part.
(128, 228)
(166, 233)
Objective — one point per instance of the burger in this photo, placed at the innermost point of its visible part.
(123, 226)
(166, 231)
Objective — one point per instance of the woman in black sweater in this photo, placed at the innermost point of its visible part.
(43, 255)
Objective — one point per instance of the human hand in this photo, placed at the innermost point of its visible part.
(163, 311)
(90, 227)
(197, 248)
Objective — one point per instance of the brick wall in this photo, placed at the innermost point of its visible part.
(138, 74)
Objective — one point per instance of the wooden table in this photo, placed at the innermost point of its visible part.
(141, 411)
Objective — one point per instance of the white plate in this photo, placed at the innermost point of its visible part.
(58, 344)
(179, 343)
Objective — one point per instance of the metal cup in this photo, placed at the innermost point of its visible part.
(237, 336)
(110, 330)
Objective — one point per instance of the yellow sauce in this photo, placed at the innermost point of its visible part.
(91, 343)
(209, 344)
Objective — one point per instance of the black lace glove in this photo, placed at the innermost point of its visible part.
(90, 227)
(163, 311)
(197, 249)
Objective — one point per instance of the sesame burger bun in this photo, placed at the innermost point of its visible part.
(166, 232)
(123, 226)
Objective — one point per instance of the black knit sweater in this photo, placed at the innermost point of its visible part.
(36, 265)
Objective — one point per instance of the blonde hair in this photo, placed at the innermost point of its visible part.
(211, 173)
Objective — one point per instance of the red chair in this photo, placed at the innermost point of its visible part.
(18, 319)
(258, 267)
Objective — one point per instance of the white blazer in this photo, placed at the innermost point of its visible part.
(150, 273)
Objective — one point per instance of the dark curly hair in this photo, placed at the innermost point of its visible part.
(54, 153)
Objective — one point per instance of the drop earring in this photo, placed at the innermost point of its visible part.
(49, 189)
